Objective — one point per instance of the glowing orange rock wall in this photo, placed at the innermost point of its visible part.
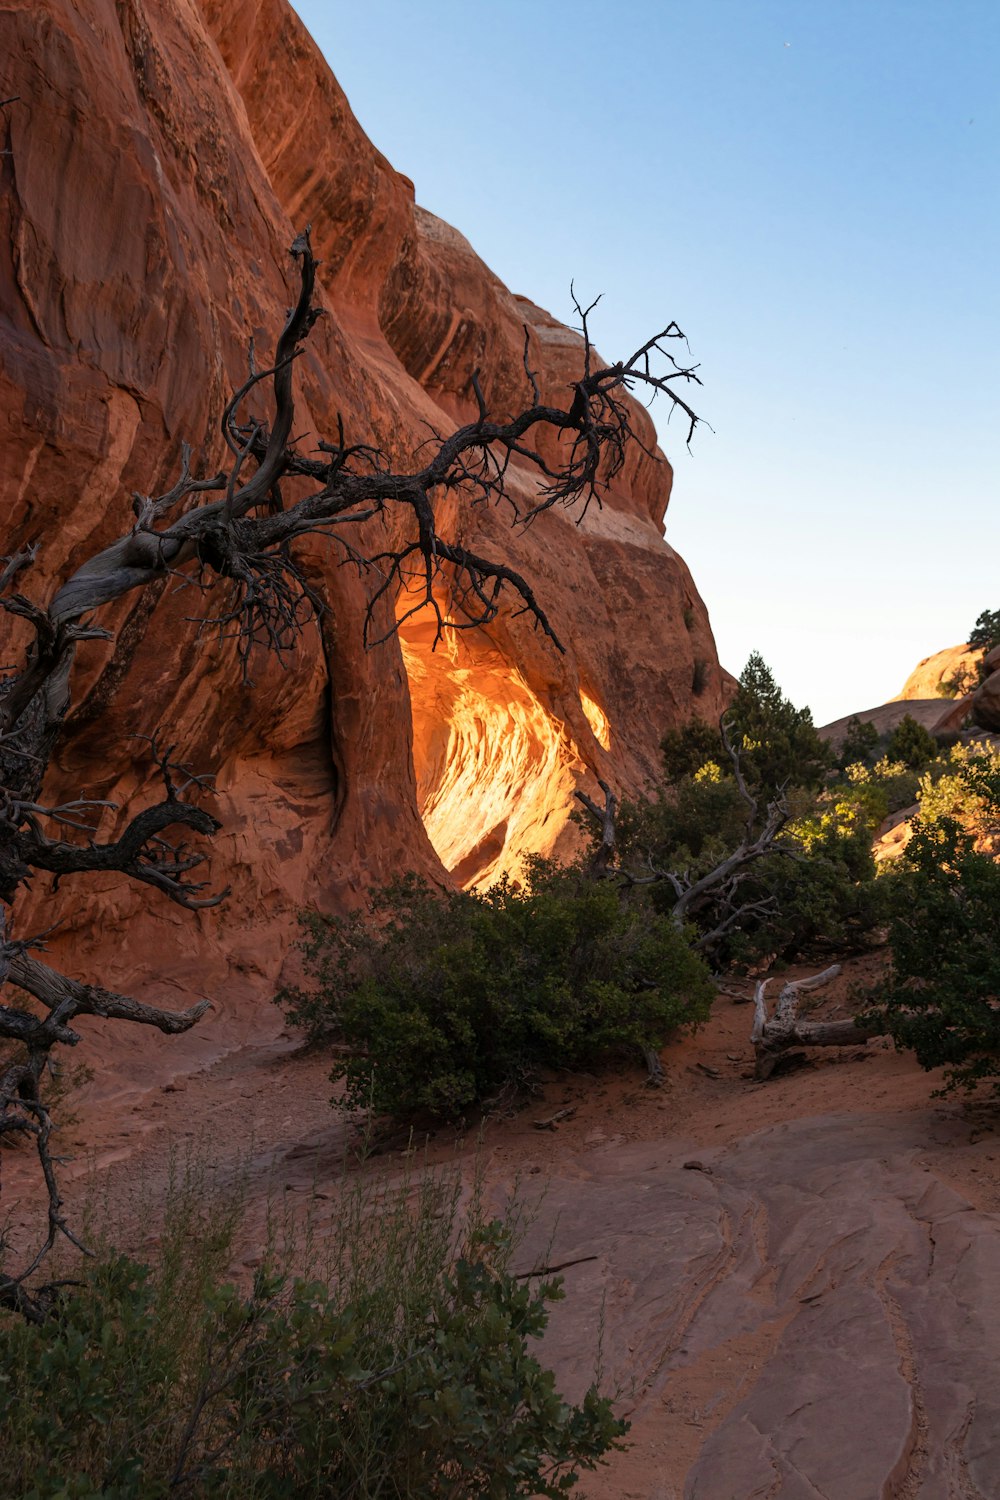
(162, 158)
(933, 675)
(496, 771)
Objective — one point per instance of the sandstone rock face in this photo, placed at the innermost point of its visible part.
(162, 157)
(809, 1312)
(985, 704)
(885, 717)
(930, 676)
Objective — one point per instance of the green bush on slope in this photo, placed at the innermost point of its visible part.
(404, 1372)
(943, 994)
(911, 744)
(984, 636)
(444, 1000)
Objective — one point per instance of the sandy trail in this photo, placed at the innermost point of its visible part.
(797, 1283)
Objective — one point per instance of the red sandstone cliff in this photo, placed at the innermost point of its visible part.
(162, 155)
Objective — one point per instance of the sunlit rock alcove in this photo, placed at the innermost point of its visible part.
(496, 769)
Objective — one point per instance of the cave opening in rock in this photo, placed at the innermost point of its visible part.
(496, 769)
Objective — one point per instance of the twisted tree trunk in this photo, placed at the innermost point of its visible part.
(774, 1036)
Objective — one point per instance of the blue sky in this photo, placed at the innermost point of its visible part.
(812, 190)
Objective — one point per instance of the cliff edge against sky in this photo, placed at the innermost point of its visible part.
(162, 156)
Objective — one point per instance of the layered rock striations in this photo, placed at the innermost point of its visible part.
(162, 155)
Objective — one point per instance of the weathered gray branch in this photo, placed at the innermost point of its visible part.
(604, 855)
(755, 844)
(715, 897)
(243, 535)
(355, 480)
(62, 995)
(774, 1036)
(139, 852)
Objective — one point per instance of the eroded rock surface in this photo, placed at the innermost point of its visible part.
(986, 699)
(814, 1315)
(161, 158)
(938, 676)
(885, 717)
(797, 1284)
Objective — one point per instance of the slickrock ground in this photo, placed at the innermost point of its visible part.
(924, 701)
(927, 711)
(810, 1311)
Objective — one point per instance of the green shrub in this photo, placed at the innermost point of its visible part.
(888, 783)
(687, 749)
(780, 745)
(859, 745)
(943, 995)
(841, 811)
(444, 1001)
(817, 889)
(816, 892)
(959, 788)
(912, 744)
(984, 636)
(405, 1373)
(827, 896)
(690, 825)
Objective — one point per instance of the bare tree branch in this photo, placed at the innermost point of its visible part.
(62, 995)
(714, 901)
(140, 851)
(771, 1037)
(604, 855)
(251, 550)
(234, 530)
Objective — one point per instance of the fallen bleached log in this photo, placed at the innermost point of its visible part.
(775, 1035)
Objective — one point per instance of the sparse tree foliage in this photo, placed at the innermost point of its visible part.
(778, 745)
(778, 742)
(960, 788)
(687, 749)
(746, 839)
(694, 849)
(233, 534)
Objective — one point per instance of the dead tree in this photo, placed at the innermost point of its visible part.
(772, 1037)
(603, 857)
(234, 530)
(713, 903)
(719, 891)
